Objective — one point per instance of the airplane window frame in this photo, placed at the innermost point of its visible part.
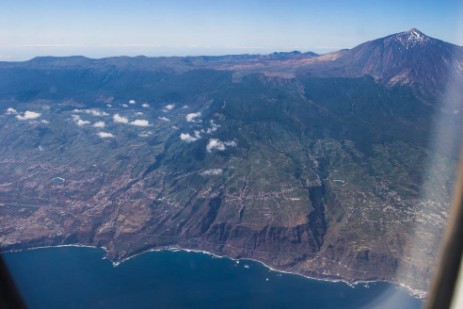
(443, 285)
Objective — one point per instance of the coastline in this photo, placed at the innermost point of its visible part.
(418, 294)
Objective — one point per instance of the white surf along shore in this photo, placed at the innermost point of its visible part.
(420, 294)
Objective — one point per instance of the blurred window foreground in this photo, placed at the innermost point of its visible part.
(446, 288)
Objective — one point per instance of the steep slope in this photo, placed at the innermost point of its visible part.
(407, 58)
(318, 174)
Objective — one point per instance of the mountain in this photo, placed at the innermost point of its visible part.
(406, 58)
(323, 165)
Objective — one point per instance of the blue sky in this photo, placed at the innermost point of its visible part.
(101, 28)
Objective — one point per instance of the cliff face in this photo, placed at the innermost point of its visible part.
(327, 176)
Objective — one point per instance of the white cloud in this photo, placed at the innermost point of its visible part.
(99, 124)
(125, 105)
(140, 123)
(164, 118)
(145, 105)
(93, 112)
(109, 105)
(11, 111)
(230, 144)
(139, 113)
(212, 172)
(132, 102)
(192, 116)
(96, 113)
(28, 115)
(80, 122)
(217, 144)
(188, 138)
(45, 121)
(169, 107)
(120, 119)
(105, 135)
(214, 127)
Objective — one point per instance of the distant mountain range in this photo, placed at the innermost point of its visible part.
(407, 58)
(325, 165)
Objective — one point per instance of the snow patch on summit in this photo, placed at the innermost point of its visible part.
(408, 39)
(415, 35)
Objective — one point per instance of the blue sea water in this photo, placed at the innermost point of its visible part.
(76, 277)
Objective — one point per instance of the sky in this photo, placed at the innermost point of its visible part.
(103, 28)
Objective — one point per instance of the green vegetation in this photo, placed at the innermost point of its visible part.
(322, 176)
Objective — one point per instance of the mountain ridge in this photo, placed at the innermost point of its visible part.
(405, 58)
(310, 164)
(409, 57)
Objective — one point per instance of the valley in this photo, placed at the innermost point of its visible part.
(326, 166)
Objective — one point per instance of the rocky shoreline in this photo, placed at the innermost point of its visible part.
(419, 294)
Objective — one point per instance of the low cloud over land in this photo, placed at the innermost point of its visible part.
(120, 119)
(192, 117)
(212, 172)
(216, 144)
(140, 123)
(105, 135)
(28, 115)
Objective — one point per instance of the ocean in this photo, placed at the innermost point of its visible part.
(79, 277)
